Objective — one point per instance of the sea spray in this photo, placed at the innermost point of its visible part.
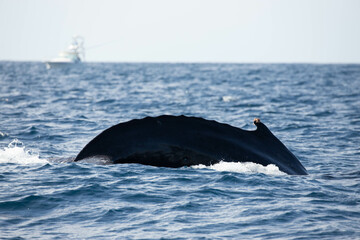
(243, 167)
(16, 152)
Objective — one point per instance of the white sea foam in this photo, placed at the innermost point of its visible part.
(2, 134)
(17, 153)
(227, 98)
(243, 167)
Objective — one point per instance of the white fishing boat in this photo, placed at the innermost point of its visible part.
(74, 54)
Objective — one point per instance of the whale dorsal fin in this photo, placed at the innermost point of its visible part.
(261, 128)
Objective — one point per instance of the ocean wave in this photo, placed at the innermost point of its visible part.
(243, 167)
(227, 98)
(17, 153)
(2, 134)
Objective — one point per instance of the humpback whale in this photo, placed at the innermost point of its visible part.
(178, 141)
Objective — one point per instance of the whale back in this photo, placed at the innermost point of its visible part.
(177, 141)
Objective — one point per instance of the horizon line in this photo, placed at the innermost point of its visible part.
(201, 62)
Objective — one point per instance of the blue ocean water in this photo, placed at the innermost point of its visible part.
(47, 116)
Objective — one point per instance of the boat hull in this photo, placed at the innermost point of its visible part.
(59, 64)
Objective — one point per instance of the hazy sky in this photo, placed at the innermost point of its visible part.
(316, 31)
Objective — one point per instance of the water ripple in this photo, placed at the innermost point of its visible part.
(313, 109)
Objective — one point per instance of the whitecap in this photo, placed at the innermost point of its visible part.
(2, 134)
(227, 98)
